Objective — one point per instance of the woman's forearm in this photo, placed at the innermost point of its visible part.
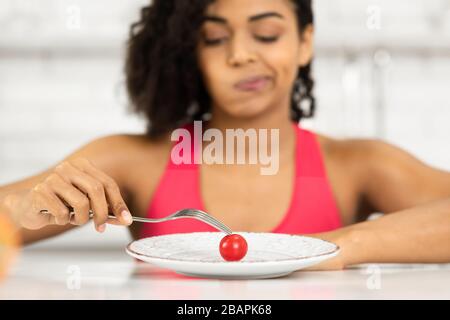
(10, 231)
(22, 235)
(416, 235)
(6, 204)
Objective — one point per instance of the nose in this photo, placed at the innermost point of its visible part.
(241, 52)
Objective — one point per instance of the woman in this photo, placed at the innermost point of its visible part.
(239, 64)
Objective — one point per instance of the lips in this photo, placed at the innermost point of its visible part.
(253, 83)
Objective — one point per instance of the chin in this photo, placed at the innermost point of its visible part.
(250, 109)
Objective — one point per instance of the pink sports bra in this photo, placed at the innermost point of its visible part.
(312, 208)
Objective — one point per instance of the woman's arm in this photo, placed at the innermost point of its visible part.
(106, 152)
(416, 235)
(394, 180)
(415, 200)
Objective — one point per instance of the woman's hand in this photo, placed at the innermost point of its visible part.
(333, 264)
(345, 238)
(419, 234)
(78, 184)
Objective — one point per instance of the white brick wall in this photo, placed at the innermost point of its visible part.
(62, 85)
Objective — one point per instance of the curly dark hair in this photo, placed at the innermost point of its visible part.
(163, 79)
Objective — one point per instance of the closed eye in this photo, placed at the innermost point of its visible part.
(212, 42)
(267, 39)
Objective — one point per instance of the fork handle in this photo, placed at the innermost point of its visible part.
(110, 216)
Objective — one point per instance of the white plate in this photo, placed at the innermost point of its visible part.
(269, 255)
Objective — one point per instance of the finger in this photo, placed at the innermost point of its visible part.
(112, 192)
(100, 204)
(69, 196)
(57, 212)
(40, 202)
(92, 188)
(72, 197)
(118, 222)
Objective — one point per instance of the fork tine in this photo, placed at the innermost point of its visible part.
(210, 219)
(201, 217)
(215, 224)
(198, 213)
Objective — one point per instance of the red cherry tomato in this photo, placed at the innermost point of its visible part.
(233, 247)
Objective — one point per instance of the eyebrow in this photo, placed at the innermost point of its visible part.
(254, 18)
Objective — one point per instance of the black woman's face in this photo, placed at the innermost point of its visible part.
(246, 38)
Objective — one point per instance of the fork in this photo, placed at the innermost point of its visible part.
(184, 213)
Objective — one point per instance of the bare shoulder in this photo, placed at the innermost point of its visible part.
(368, 159)
(389, 177)
(375, 156)
(364, 153)
(350, 154)
(125, 154)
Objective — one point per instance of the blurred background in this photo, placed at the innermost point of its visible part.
(382, 70)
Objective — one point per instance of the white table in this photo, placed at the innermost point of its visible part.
(109, 273)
